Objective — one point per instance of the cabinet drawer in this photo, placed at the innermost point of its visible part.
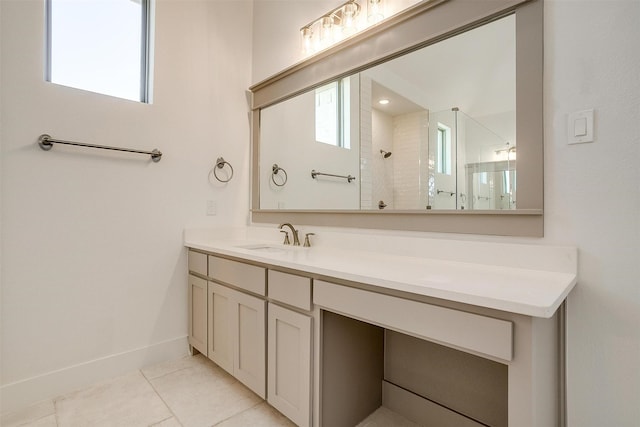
(290, 289)
(198, 263)
(443, 325)
(244, 276)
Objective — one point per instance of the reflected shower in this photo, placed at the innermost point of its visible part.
(385, 154)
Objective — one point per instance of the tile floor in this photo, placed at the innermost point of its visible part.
(191, 391)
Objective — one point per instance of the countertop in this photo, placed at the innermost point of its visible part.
(532, 292)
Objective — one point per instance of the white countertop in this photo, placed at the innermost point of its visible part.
(533, 292)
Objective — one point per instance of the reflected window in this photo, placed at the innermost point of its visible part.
(100, 46)
(484, 178)
(444, 150)
(332, 106)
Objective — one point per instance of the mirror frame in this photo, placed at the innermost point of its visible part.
(424, 24)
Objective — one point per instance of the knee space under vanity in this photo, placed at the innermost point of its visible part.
(365, 366)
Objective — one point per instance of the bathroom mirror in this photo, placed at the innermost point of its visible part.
(440, 155)
(447, 111)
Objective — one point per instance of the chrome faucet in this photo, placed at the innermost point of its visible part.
(294, 232)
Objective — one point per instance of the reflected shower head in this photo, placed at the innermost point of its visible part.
(385, 154)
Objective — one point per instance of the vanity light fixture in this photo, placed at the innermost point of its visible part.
(510, 152)
(338, 24)
(508, 149)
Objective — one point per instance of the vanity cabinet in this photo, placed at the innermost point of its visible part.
(230, 320)
(329, 346)
(237, 333)
(433, 364)
(236, 320)
(289, 351)
(227, 316)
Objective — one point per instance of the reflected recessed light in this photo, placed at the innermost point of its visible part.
(383, 102)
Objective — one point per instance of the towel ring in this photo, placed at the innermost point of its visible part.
(275, 169)
(220, 163)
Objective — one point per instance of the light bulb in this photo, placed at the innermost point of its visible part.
(326, 31)
(375, 12)
(349, 23)
(307, 45)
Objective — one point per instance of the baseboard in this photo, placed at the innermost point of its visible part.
(21, 394)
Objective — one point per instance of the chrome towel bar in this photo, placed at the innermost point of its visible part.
(315, 173)
(46, 143)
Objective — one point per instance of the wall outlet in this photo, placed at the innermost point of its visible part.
(212, 207)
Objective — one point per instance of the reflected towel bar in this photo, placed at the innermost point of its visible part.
(314, 174)
(275, 170)
(46, 143)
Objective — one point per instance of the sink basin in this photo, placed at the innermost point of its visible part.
(265, 247)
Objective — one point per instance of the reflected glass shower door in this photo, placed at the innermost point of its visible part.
(470, 165)
(443, 160)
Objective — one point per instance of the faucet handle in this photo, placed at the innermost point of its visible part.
(286, 237)
(307, 243)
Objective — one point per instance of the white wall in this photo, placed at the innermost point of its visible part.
(592, 199)
(93, 268)
(592, 191)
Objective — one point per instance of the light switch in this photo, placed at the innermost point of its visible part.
(580, 127)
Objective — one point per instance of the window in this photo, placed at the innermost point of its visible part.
(333, 108)
(100, 45)
(444, 150)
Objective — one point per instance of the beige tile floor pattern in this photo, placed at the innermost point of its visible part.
(188, 392)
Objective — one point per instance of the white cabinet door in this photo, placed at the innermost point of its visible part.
(221, 334)
(289, 359)
(237, 338)
(250, 343)
(198, 313)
